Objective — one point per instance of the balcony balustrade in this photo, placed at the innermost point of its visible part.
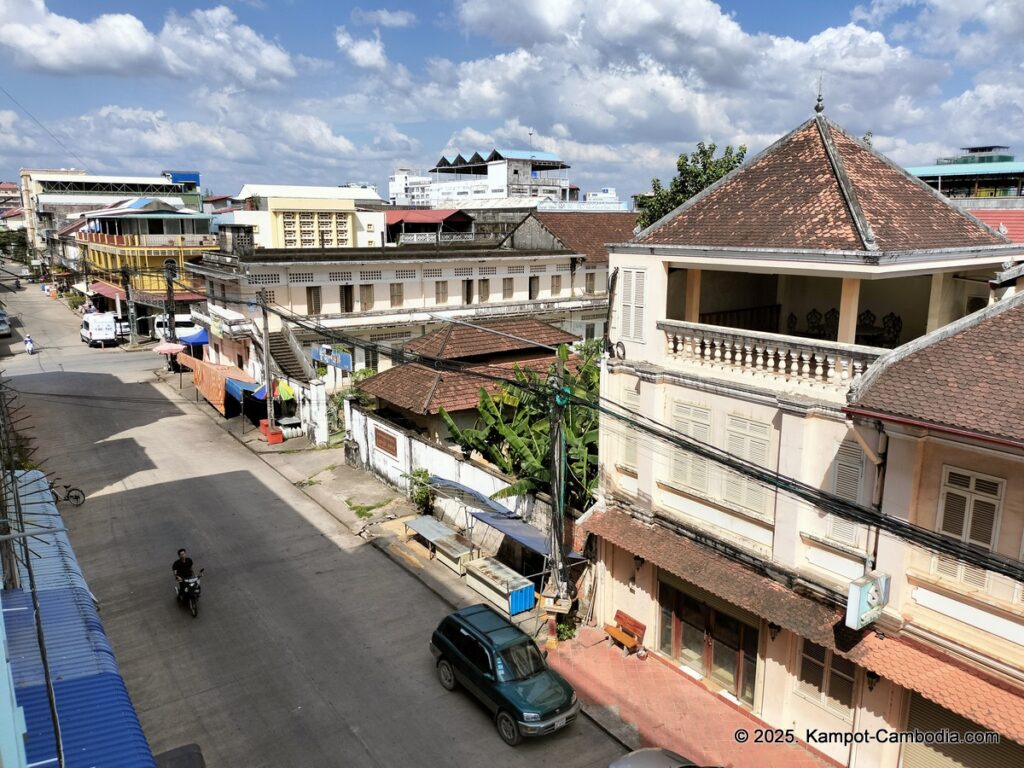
(150, 241)
(822, 365)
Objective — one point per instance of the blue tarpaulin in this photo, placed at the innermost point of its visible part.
(235, 388)
(468, 496)
(199, 337)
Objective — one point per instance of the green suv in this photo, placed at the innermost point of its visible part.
(499, 664)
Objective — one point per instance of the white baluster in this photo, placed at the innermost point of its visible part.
(716, 345)
(748, 359)
(794, 364)
(832, 370)
(819, 367)
(805, 365)
(772, 363)
(688, 346)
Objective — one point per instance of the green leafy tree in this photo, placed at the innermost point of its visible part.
(513, 429)
(14, 244)
(696, 172)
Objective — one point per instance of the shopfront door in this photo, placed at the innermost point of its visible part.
(709, 641)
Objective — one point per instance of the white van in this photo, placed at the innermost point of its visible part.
(98, 328)
(183, 325)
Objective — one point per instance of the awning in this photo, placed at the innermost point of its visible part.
(429, 528)
(237, 388)
(198, 337)
(108, 290)
(934, 674)
(466, 495)
(82, 288)
(524, 533)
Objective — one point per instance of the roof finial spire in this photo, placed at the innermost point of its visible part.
(819, 105)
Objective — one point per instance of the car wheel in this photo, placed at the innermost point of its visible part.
(508, 729)
(446, 674)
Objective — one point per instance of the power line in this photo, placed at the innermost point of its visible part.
(37, 122)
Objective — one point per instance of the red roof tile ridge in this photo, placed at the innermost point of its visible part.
(835, 159)
(860, 389)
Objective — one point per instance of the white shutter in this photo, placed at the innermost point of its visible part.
(848, 470)
(983, 522)
(748, 440)
(954, 514)
(735, 483)
(970, 513)
(638, 305)
(688, 469)
(928, 717)
(626, 312)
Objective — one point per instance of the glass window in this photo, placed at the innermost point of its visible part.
(519, 662)
(826, 678)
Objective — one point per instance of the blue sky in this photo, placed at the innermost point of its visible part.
(300, 91)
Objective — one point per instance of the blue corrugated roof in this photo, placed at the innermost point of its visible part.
(966, 169)
(99, 725)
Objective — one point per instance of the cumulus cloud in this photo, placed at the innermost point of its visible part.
(383, 17)
(208, 42)
(12, 132)
(365, 53)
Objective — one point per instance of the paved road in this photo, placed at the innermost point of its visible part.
(311, 646)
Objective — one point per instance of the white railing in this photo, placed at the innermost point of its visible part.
(413, 238)
(150, 241)
(788, 359)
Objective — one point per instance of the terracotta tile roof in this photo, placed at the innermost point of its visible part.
(794, 196)
(587, 233)
(424, 390)
(458, 342)
(965, 376)
(12, 213)
(1012, 219)
(947, 681)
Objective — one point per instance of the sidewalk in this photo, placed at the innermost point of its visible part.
(640, 703)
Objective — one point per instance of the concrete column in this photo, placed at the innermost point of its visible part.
(692, 311)
(318, 411)
(848, 307)
(941, 304)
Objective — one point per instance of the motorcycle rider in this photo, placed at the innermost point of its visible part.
(29, 345)
(182, 568)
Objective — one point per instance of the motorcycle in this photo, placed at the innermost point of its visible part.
(188, 591)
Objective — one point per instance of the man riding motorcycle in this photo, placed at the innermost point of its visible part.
(182, 568)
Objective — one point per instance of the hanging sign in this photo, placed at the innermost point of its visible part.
(329, 356)
(867, 597)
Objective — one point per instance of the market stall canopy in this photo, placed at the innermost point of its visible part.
(468, 496)
(168, 348)
(524, 533)
(83, 288)
(199, 337)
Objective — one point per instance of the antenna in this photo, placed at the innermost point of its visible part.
(531, 139)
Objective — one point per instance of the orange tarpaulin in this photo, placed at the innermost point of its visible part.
(209, 378)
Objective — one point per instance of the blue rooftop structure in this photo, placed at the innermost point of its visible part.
(98, 723)
(966, 169)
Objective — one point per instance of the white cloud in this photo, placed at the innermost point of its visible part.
(520, 22)
(366, 53)
(12, 133)
(383, 17)
(207, 42)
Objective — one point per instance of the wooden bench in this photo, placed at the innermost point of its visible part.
(626, 631)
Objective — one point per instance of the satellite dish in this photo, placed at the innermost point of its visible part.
(620, 350)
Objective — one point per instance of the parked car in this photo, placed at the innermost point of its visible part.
(183, 325)
(652, 757)
(5, 326)
(481, 650)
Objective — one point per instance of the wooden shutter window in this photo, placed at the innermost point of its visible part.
(631, 401)
(638, 305)
(688, 469)
(626, 314)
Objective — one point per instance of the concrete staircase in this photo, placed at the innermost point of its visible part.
(285, 358)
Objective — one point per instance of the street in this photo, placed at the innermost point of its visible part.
(310, 648)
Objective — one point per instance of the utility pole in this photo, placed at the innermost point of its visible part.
(268, 382)
(170, 273)
(558, 459)
(126, 279)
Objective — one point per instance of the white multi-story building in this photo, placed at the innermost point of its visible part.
(405, 188)
(740, 321)
(387, 295)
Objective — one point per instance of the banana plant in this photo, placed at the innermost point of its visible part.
(512, 430)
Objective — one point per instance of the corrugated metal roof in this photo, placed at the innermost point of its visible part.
(85, 199)
(966, 169)
(99, 726)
